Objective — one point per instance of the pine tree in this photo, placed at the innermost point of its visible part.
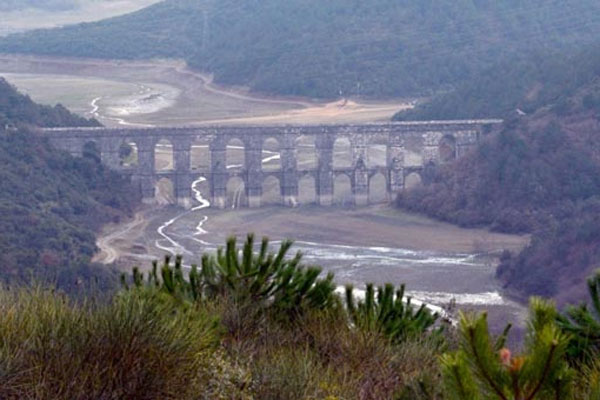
(389, 312)
(266, 279)
(583, 324)
(483, 368)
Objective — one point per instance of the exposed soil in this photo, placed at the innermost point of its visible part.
(167, 93)
(373, 226)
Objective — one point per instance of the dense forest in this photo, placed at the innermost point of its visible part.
(538, 174)
(526, 83)
(330, 48)
(51, 203)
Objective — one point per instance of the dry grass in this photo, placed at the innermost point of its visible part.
(144, 345)
(139, 346)
(320, 356)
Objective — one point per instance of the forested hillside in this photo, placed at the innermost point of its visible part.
(18, 109)
(525, 83)
(50, 202)
(539, 174)
(330, 48)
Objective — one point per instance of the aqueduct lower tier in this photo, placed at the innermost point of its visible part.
(398, 153)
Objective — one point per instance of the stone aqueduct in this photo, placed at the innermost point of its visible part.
(408, 148)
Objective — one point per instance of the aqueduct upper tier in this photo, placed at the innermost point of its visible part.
(398, 154)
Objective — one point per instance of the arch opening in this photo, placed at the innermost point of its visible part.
(412, 159)
(307, 190)
(378, 192)
(164, 192)
(235, 155)
(342, 153)
(128, 154)
(376, 155)
(236, 192)
(91, 151)
(271, 155)
(447, 148)
(412, 181)
(306, 153)
(200, 155)
(271, 192)
(163, 156)
(342, 191)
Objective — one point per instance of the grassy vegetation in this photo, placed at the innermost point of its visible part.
(140, 345)
(327, 49)
(155, 339)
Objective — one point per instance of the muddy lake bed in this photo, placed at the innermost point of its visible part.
(440, 264)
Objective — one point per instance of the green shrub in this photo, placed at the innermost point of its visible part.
(482, 369)
(265, 279)
(389, 313)
(141, 345)
(583, 324)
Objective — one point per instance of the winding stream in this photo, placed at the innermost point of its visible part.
(435, 278)
(133, 108)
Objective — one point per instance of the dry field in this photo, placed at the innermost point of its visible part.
(167, 93)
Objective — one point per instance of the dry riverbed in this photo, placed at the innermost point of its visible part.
(440, 263)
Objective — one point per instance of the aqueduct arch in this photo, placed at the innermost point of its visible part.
(236, 161)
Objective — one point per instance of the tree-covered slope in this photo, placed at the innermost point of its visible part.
(50, 202)
(327, 48)
(18, 109)
(525, 83)
(538, 174)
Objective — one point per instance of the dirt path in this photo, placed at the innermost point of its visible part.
(209, 85)
(109, 252)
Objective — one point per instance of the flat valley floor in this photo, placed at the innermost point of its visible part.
(440, 263)
(167, 93)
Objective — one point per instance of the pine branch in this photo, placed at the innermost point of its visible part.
(481, 366)
(553, 347)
